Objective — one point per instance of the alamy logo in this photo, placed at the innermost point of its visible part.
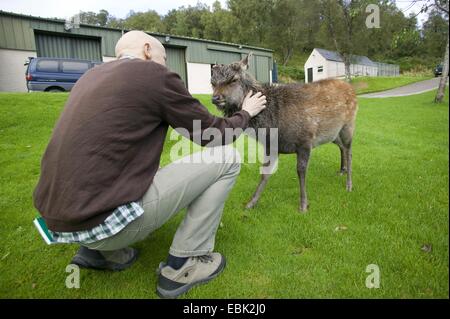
(72, 23)
(184, 151)
(373, 19)
(73, 279)
(373, 280)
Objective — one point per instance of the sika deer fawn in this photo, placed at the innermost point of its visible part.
(306, 115)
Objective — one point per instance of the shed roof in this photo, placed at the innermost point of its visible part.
(335, 56)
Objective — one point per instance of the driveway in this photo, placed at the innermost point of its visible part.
(410, 89)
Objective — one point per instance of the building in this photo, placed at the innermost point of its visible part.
(23, 36)
(324, 64)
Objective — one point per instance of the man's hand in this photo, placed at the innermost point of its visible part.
(254, 104)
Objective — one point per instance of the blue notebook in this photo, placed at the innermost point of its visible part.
(41, 226)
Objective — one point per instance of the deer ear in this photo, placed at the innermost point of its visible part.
(244, 63)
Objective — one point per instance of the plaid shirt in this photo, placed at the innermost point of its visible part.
(114, 223)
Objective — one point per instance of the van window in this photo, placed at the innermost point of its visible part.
(47, 66)
(74, 67)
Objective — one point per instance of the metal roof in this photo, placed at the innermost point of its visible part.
(334, 56)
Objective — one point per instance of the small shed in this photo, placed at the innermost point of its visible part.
(324, 64)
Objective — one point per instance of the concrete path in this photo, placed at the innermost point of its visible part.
(410, 89)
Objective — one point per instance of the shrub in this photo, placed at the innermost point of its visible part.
(295, 73)
(416, 65)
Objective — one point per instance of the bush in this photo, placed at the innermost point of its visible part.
(416, 65)
(292, 72)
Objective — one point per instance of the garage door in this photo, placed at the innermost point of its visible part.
(176, 61)
(54, 45)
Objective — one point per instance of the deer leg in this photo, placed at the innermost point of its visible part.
(349, 185)
(346, 136)
(268, 170)
(303, 155)
(259, 190)
(343, 168)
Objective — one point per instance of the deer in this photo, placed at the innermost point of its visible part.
(306, 116)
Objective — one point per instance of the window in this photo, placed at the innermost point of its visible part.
(320, 69)
(47, 66)
(74, 67)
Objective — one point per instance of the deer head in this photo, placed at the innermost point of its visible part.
(231, 83)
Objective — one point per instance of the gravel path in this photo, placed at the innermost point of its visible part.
(410, 89)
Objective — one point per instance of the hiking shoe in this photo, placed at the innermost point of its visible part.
(197, 270)
(105, 260)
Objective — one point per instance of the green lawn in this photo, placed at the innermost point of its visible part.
(399, 204)
(366, 84)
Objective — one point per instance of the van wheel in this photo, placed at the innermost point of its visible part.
(54, 90)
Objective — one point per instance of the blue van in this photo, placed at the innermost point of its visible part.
(55, 75)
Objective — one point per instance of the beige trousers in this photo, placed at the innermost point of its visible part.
(201, 182)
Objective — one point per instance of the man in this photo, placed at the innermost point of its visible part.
(100, 183)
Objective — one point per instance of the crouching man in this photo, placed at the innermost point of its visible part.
(100, 183)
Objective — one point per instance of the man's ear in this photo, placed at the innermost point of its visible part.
(244, 63)
(147, 51)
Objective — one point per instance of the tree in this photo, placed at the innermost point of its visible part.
(98, 19)
(287, 28)
(407, 42)
(88, 17)
(114, 22)
(378, 43)
(442, 5)
(343, 19)
(102, 17)
(146, 21)
(170, 21)
(435, 31)
(219, 24)
(186, 21)
(311, 21)
(253, 20)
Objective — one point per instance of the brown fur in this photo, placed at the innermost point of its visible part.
(306, 115)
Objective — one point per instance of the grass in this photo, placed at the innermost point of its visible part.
(366, 84)
(399, 204)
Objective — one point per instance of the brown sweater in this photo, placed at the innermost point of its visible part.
(106, 146)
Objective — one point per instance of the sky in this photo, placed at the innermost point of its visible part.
(65, 9)
(119, 8)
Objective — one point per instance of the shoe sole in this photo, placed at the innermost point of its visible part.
(102, 264)
(175, 293)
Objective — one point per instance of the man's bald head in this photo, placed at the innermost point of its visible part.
(141, 45)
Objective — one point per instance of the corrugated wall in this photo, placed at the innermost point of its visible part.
(262, 69)
(17, 33)
(55, 46)
(176, 61)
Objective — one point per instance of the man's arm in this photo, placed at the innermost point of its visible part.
(179, 109)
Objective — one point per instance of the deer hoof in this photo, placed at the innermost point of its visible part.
(349, 187)
(303, 208)
(250, 205)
